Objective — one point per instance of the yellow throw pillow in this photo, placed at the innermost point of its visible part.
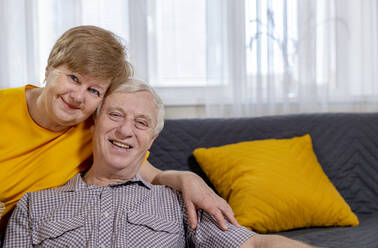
(275, 185)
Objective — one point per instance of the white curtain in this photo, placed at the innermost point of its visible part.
(282, 57)
(29, 29)
(235, 57)
(17, 43)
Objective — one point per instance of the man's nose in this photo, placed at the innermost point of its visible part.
(125, 129)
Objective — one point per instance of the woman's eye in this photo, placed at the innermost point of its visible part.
(94, 91)
(74, 78)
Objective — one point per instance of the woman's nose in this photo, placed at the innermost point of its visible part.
(78, 95)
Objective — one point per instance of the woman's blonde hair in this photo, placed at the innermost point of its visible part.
(92, 51)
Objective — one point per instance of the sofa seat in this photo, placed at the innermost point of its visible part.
(364, 235)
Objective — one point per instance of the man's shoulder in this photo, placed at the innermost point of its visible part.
(45, 192)
(166, 199)
(46, 196)
(163, 192)
(54, 203)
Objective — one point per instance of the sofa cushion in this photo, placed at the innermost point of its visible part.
(345, 144)
(275, 184)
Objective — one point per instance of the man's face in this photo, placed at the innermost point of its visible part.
(124, 130)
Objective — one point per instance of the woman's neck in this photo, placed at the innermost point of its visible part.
(36, 103)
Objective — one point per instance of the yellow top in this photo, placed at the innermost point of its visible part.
(33, 158)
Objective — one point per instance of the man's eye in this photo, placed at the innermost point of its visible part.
(141, 124)
(94, 91)
(115, 115)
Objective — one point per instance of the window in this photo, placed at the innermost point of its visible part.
(177, 51)
(204, 51)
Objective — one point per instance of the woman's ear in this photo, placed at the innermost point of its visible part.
(47, 71)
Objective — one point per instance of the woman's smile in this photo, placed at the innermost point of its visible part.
(68, 105)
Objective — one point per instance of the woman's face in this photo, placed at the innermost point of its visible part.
(72, 97)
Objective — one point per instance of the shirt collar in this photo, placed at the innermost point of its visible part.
(136, 179)
(77, 183)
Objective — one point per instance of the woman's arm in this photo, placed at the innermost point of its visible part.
(273, 241)
(196, 193)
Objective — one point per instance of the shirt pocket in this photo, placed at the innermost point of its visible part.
(59, 233)
(146, 230)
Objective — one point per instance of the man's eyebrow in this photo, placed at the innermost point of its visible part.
(138, 115)
(147, 117)
(112, 108)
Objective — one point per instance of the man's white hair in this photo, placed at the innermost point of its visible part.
(134, 85)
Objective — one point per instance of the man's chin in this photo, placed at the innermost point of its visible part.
(119, 165)
(124, 166)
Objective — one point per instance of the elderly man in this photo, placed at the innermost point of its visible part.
(111, 205)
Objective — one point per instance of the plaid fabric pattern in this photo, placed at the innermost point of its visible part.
(129, 214)
(2, 208)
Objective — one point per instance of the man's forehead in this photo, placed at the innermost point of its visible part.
(140, 96)
(140, 101)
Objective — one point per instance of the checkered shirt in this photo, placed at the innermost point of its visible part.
(129, 214)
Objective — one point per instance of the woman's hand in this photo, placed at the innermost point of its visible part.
(197, 194)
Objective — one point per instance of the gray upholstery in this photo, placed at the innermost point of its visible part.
(346, 145)
(365, 235)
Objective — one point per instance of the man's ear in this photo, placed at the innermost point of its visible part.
(152, 141)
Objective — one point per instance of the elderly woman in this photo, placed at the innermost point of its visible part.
(45, 131)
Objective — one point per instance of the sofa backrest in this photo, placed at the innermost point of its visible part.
(346, 145)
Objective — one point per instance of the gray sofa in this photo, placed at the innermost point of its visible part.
(346, 145)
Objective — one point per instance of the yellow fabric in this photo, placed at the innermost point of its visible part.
(31, 157)
(274, 185)
(2, 208)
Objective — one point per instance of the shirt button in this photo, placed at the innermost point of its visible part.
(106, 214)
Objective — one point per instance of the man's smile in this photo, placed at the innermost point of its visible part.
(120, 144)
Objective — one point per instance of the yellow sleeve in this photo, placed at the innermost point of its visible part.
(146, 157)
